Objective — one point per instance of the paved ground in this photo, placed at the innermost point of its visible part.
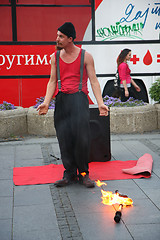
(43, 212)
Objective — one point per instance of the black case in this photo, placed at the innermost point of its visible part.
(100, 149)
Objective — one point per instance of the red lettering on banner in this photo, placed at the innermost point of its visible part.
(158, 58)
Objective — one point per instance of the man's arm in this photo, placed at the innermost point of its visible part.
(51, 87)
(89, 62)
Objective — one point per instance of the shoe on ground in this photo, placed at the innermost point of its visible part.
(64, 182)
(86, 181)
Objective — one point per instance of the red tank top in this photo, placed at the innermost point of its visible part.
(70, 76)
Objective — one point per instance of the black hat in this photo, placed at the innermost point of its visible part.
(68, 29)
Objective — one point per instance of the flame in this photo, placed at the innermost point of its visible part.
(99, 183)
(83, 174)
(109, 198)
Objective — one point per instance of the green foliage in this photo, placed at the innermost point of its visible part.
(154, 91)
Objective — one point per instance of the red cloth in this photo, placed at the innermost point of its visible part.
(50, 173)
(144, 165)
(37, 174)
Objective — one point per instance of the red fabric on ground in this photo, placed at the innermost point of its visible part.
(144, 164)
(111, 170)
(37, 175)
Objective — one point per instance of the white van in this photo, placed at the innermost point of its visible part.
(123, 24)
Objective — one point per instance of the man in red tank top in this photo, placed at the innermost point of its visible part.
(71, 116)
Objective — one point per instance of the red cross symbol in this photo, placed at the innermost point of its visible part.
(134, 59)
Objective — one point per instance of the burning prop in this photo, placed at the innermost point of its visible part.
(109, 198)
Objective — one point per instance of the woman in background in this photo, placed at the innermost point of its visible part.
(124, 75)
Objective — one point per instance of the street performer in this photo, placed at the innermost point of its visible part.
(71, 116)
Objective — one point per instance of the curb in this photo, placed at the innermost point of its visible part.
(133, 119)
(13, 122)
(122, 120)
(42, 125)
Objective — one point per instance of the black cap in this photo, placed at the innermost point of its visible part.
(68, 29)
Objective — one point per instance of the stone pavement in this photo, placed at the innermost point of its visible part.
(44, 212)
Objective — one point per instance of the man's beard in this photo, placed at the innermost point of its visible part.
(59, 47)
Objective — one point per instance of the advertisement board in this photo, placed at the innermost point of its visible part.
(115, 25)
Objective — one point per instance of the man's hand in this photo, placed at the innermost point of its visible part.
(43, 109)
(103, 110)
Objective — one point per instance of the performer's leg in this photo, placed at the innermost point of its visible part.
(81, 131)
(63, 131)
(74, 144)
